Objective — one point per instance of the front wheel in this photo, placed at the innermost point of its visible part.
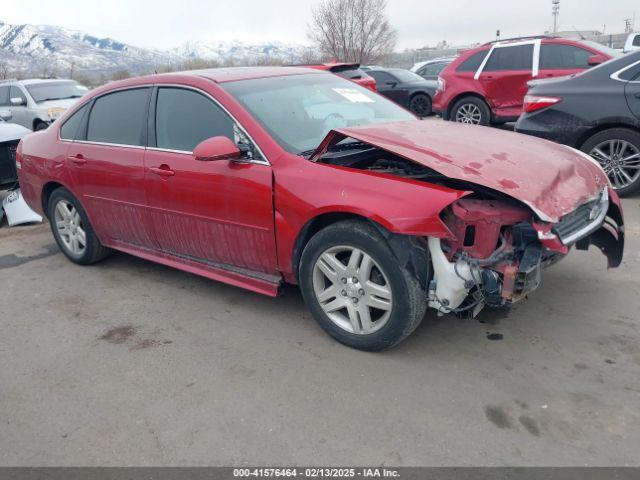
(356, 289)
(420, 104)
(618, 151)
(472, 111)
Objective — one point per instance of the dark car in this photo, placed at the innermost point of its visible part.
(598, 112)
(350, 71)
(406, 88)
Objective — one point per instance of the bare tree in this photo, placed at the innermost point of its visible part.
(352, 30)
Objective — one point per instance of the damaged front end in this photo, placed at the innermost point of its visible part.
(499, 238)
(497, 249)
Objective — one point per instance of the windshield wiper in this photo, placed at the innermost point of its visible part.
(59, 98)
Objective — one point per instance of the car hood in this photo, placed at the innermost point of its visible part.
(11, 131)
(551, 179)
(62, 103)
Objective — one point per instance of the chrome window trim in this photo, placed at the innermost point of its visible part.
(156, 149)
(616, 75)
(535, 59)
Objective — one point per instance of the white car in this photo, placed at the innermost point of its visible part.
(10, 135)
(430, 69)
(632, 44)
(36, 103)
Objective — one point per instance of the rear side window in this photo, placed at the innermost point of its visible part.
(563, 57)
(119, 117)
(631, 73)
(70, 127)
(518, 57)
(185, 118)
(472, 63)
(433, 69)
(4, 96)
(636, 41)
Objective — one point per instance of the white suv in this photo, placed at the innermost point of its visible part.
(35, 103)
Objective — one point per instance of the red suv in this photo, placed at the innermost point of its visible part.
(488, 84)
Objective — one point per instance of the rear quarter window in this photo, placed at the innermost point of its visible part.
(69, 129)
(472, 63)
(630, 73)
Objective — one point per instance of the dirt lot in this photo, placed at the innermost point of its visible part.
(132, 363)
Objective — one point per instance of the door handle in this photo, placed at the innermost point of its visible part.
(163, 171)
(78, 159)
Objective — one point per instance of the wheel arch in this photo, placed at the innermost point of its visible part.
(603, 127)
(460, 96)
(47, 190)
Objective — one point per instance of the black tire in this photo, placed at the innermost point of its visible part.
(409, 298)
(624, 134)
(471, 102)
(40, 126)
(420, 104)
(94, 251)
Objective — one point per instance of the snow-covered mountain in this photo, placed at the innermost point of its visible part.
(57, 50)
(225, 51)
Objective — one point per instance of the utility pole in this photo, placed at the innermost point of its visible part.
(555, 10)
(628, 26)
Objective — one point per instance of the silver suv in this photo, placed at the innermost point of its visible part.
(35, 103)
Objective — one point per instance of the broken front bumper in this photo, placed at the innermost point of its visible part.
(471, 278)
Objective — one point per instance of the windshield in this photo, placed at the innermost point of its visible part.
(406, 76)
(299, 110)
(42, 92)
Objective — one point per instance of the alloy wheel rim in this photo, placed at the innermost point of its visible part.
(620, 160)
(469, 113)
(419, 106)
(352, 290)
(70, 228)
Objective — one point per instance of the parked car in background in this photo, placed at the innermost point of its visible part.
(350, 71)
(430, 69)
(35, 103)
(597, 111)
(632, 44)
(405, 88)
(225, 174)
(487, 84)
(10, 135)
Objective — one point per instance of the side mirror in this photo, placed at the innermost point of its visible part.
(17, 101)
(6, 115)
(216, 148)
(596, 59)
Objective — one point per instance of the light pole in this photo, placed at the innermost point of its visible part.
(555, 10)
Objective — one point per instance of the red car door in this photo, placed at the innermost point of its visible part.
(215, 212)
(106, 162)
(558, 59)
(505, 75)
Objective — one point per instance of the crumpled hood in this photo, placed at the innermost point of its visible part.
(551, 179)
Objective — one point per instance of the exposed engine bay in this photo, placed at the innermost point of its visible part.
(497, 246)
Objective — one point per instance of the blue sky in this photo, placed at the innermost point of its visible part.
(167, 23)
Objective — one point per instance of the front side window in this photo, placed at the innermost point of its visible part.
(561, 57)
(42, 92)
(184, 118)
(517, 57)
(70, 127)
(4, 96)
(15, 92)
(472, 63)
(119, 117)
(299, 110)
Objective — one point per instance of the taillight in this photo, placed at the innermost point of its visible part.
(441, 84)
(533, 103)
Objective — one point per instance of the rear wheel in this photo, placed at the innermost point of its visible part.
(72, 230)
(420, 104)
(618, 151)
(472, 111)
(356, 289)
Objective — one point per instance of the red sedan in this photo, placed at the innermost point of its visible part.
(260, 176)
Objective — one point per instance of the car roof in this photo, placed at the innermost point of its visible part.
(31, 81)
